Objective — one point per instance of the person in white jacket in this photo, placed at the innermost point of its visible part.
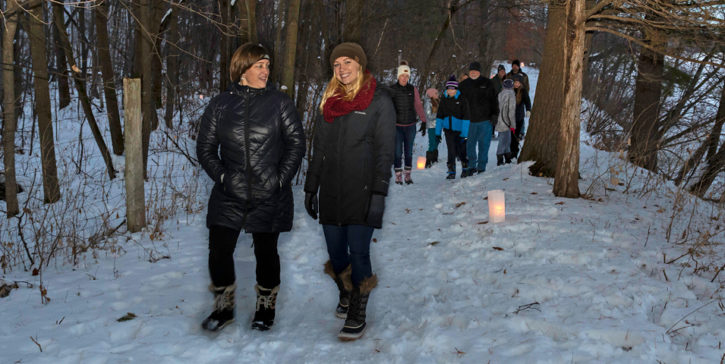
(506, 124)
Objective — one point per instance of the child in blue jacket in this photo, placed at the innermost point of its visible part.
(453, 117)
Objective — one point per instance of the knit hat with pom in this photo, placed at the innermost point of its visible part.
(452, 83)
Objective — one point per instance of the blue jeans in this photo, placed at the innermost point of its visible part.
(404, 145)
(479, 135)
(432, 140)
(350, 245)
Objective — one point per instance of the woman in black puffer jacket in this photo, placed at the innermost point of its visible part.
(353, 153)
(251, 144)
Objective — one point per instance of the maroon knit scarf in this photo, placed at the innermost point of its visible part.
(335, 106)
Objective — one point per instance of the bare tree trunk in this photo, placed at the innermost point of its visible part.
(224, 53)
(542, 137)
(9, 120)
(134, 175)
(62, 69)
(353, 21)
(158, 12)
(147, 107)
(172, 69)
(109, 86)
(80, 85)
(51, 189)
(715, 160)
(251, 6)
(288, 71)
(566, 181)
(278, 51)
(436, 44)
(644, 136)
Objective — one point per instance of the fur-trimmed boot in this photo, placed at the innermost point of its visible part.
(355, 325)
(266, 301)
(223, 313)
(398, 176)
(428, 159)
(344, 285)
(408, 179)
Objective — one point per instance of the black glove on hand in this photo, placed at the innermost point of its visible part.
(422, 129)
(311, 205)
(375, 213)
(438, 138)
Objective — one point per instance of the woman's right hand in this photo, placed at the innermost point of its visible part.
(312, 205)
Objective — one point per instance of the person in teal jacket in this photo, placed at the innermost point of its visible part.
(453, 116)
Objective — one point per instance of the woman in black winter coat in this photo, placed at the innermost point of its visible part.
(251, 144)
(523, 109)
(352, 155)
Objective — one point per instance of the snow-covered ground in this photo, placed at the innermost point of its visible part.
(561, 281)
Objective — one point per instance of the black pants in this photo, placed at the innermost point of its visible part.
(223, 240)
(456, 148)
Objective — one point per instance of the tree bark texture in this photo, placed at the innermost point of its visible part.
(288, 70)
(51, 190)
(9, 120)
(80, 84)
(62, 72)
(566, 180)
(109, 86)
(251, 6)
(134, 171)
(542, 136)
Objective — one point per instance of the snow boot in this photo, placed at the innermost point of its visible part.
(507, 157)
(223, 313)
(428, 159)
(266, 301)
(451, 172)
(344, 285)
(398, 176)
(434, 156)
(355, 325)
(465, 171)
(499, 159)
(408, 180)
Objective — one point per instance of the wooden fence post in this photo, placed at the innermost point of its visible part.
(135, 204)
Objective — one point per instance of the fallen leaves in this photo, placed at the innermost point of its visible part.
(497, 248)
(127, 317)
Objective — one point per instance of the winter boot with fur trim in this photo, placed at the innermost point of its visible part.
(223, 314)
(398, 176)
(266, 301)
(408, 179)
(344, 285)
(355, 325)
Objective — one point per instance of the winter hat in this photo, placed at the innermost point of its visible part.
(508, 83)
(432, 93)
(501, 68)
(452, 83)
(516, 63)
(403, 69)
(475, 66)
(351, 50)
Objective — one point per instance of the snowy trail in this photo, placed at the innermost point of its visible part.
(450, 284)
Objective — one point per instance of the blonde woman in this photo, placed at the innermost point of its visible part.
(350, 169)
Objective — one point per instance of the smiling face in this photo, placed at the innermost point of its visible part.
(256, 76)
(403, 79)
(474, 74)
(347, 70)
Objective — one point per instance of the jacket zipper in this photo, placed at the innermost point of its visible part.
(247, 151)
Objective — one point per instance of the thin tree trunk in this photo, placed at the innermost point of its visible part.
(158, 12)
(9, 120)
(80, 85)
(352, 25)
(645, 135)
(288, 70)
(146, 56)
(715, 160)
(51, 190)
(278, 51)
(109, 86)
(224, 52)
(172, 69)
(251, 6)
(566, 181)
(542, 136)
(62, 69)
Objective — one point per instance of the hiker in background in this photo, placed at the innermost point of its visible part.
(498, 79)
(523, 109)
(517, 74)
(453, 118)
(431, 156)
(251, 144)
(506, 122)
(406, 100)
(354, 147)
(480, 94)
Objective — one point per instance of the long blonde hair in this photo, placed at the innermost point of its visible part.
(335, 87)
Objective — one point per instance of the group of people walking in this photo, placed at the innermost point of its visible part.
(251, 144)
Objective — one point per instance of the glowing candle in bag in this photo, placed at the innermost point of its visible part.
(496, 206)
(421, 163)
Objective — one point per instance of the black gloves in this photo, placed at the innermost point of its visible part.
(375, 212)
(311, 204)
(438, 138)
(422, 129)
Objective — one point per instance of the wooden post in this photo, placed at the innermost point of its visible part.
(135, 209)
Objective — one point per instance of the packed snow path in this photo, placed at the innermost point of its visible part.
(562, 280)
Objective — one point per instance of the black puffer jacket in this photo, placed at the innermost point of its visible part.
(482, 99)
(404, 102)
(351, 160)
(255, 139)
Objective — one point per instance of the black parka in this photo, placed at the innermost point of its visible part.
(404, 103)
(482, 99)
(351, 160)
(255, 139)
